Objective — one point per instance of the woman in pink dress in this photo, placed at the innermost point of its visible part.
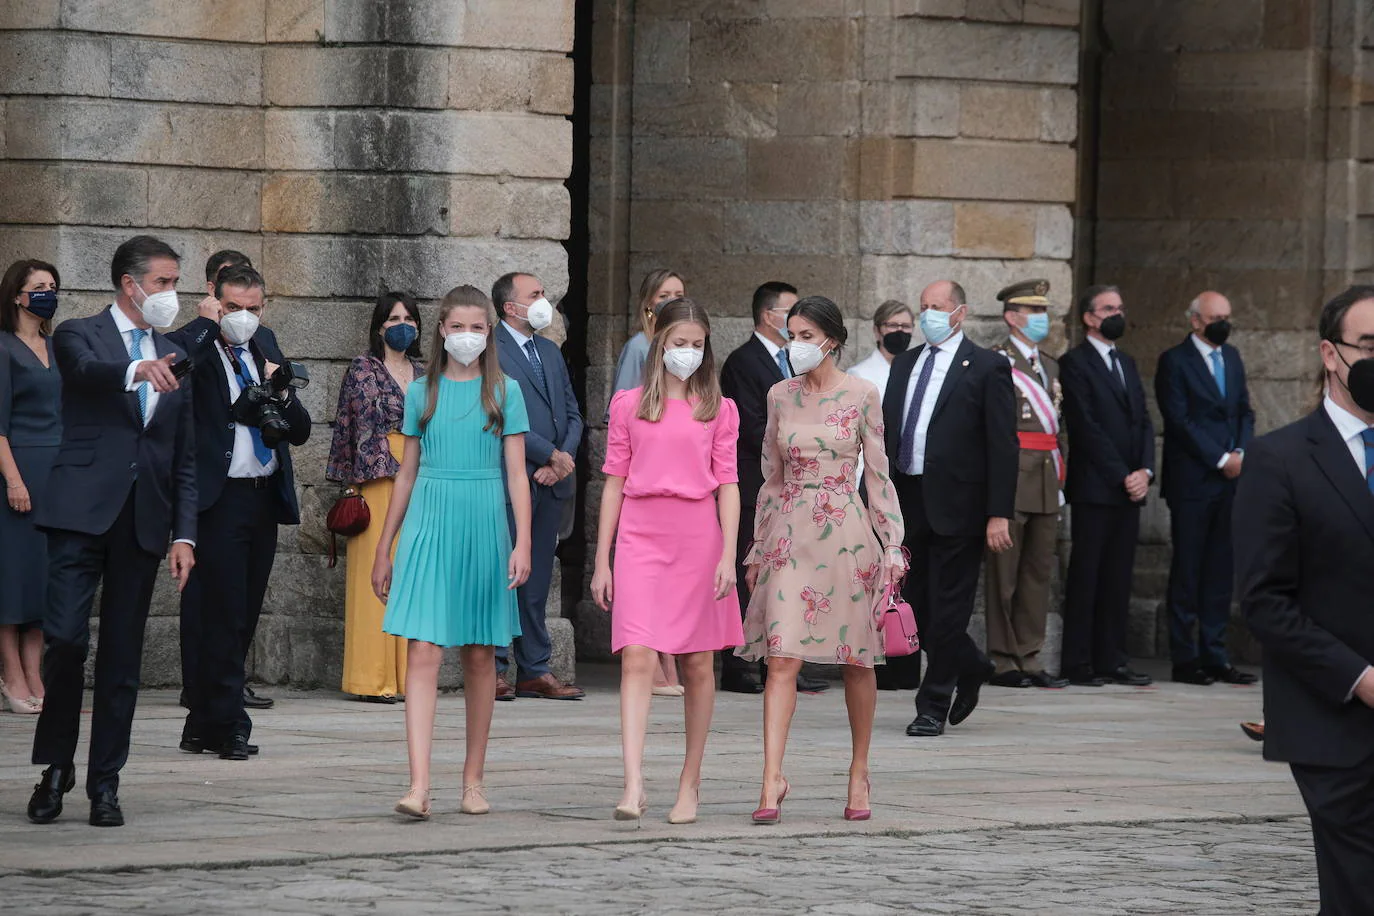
(816, 568)
(672, 505)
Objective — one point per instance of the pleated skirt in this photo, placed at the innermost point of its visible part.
(449, 586)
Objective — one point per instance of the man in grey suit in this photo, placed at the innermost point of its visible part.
(555, 431)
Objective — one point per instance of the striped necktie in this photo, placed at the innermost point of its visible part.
(1368, 437)
(136, 353)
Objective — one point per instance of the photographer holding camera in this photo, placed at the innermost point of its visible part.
(246, 417)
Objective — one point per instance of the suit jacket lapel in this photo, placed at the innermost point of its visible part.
(1113, 384)
(113, 341)
(521, 362)
(1202, 369)
(1333, 457)
(766, 361)
(956, 372)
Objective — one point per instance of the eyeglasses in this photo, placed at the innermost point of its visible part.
(1366, 349)
(890, 326)
(1110, 310)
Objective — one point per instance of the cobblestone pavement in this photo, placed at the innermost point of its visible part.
(1208, 869)
(1114, 800)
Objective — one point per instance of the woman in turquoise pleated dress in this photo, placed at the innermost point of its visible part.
(456, 570)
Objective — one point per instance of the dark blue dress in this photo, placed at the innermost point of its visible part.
(30, 417)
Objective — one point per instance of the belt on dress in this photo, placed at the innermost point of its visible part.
(461, 473)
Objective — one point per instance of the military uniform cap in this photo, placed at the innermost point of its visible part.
(1026, 292)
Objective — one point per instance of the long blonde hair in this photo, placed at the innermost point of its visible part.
(703, 388)
(648, 289)
(493, 381)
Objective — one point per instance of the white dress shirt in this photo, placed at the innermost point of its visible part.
(1351, 429)
(773, 351)
(1032, 356)
(147, 353)
(943, 357)
(1104, 349)
(521, 338)
(244, 462)
(1205, 348)
(875, 368)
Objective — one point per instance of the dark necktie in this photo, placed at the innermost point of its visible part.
(1039, 373)
(1368, 437)
(260, 449)
(906, 454)
(536, 365)
(1116, 368)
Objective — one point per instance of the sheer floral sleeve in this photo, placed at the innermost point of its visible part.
(884, 512)
(770, 495)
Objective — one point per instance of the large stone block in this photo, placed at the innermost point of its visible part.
(1053, 12)
(138, 132)
(688, 168)
(350, 76)
(299, 140)
(828, 109)
(470, 143)
(211, 20)
(204, 199)
(984, 51)
(315, 267)
(1059, 115)
(302, 651)
(995, 10)
(911, 108)
(982, 171)
(294, 20)
(1142, 243)
(725, 283)
(1223, 81)
(1184, 25)
(1245, 190)
(1054, 232)
(62, 193)
(1000, 112)
(767, 50)
(1243, 244)
(1135, 135)
(434, 266)
(802, 168)
(370, 203)
(43, 63)
(896, 277)
(1135, 189)
(536, 210)
(994, 230)
(906, 227)
(487, 80)
(31, 14)
(178, 71)
(706, 109)
(661, 51)
(542, 25)
(677, 225)
(790, 227)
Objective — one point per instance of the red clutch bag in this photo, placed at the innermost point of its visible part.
(349, 516)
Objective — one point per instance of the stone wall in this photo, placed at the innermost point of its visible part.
(859, 149)
(339, 143)
(1230, 146)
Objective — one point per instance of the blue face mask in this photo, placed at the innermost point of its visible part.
(43, 303)
(1037, 327)
(399, 337)
(935, 326)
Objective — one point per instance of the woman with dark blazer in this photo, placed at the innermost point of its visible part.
(365, 455)
(30, 431)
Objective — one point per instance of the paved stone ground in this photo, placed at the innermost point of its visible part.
(1110, 801)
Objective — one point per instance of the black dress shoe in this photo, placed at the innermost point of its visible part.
(200, 745)
(966, 693)
(1012, 678)
(1124, 675)
(236, 748)
(252, 701)
(1084, 677)
(925, 726)
(1047, 681)
(1192, 674)
(1229, 675)
(811, 684)
(742, 683)
(105, 810)
(45, 805)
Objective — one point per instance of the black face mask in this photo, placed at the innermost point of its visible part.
(896, 342)
(1359, 381)
(1113, 326)
(1217, 332)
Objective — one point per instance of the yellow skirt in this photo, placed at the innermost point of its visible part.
(374, 662)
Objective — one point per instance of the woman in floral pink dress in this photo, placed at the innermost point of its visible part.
(817, 567)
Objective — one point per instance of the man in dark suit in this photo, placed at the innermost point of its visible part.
(749, 371)
(555, 431)
(246, 489)
(1304, 551)
(950, 418)
(194, 339)
(1201, 391)
(123, 484)
(1111, 464)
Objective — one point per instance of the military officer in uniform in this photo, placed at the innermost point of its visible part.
(1018, 580)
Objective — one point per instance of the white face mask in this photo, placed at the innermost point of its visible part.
(465, 346)
(540, 314)
(239, 327)
(682, 361)
(159, 309)
(804, 356)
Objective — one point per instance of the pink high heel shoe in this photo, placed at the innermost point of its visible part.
(860, 814)
(771, 815)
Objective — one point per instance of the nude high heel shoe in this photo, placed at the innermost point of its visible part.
(17, 705)
(627, 813)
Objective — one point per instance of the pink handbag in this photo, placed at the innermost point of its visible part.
(897, 623)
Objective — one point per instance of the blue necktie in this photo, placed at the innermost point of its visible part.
(136, 353)
(536, 365)
(1219, 371)
(1368, 437)
(906, 454)
(260, 449)
(783, 365)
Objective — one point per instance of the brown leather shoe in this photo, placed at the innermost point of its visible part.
(548, 688)
(504, 691)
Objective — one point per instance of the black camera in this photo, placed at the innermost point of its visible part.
(260, 405)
